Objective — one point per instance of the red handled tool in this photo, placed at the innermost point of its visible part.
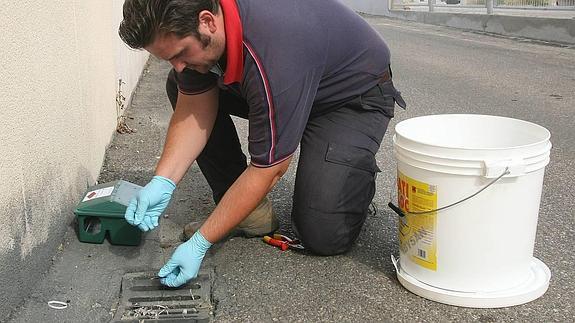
(283, 245)
(283, 242)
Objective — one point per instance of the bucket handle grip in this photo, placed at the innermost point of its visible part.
(402, 213)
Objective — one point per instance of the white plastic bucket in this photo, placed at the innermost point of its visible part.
(478, 253)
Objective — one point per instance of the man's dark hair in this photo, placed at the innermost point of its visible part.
(145, 19)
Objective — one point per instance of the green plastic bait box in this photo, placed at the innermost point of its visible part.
(101, 214)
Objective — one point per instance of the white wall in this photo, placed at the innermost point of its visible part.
(128, 62)
(59, 65)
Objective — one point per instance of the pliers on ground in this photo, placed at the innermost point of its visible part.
(283, 242)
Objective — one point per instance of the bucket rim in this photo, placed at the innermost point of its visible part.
(410, 150)
(398, 132)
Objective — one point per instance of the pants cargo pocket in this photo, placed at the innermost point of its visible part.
(349, 173)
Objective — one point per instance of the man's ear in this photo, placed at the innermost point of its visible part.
(207, 21)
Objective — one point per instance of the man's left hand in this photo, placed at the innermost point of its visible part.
(145, 208)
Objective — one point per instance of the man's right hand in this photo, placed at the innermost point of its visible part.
(145, 208)
(185, 261)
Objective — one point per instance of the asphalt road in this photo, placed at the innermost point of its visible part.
(438, 71)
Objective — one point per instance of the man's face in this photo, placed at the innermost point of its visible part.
(188, 52)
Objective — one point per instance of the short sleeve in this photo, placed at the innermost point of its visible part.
(191, 82)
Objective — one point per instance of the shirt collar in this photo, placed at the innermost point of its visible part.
(234, 42)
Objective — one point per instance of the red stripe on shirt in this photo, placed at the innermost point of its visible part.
(271, 109)
(234, 39)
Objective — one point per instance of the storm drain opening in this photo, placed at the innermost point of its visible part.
(144, 299)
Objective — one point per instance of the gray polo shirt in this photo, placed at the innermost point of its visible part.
(290, 59)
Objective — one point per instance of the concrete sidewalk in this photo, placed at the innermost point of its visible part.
(558, 29)
(502, 11)
(551, 25)
(253, 281)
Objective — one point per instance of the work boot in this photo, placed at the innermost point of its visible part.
(260, 222)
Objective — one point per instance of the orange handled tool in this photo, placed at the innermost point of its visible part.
(283, 245)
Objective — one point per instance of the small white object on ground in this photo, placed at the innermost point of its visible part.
(57, 305)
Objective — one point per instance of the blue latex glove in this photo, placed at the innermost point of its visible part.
(185, 262)
(145, 208)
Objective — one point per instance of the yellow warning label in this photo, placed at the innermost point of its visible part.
(417, 231)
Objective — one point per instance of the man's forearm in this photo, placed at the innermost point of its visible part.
(241, 199)
(188, 133)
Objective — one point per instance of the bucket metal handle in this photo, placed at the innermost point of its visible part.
(402, 213)
(395, 262)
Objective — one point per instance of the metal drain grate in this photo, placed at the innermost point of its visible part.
(145, 299)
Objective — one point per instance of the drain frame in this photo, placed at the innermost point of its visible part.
(144, 299)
